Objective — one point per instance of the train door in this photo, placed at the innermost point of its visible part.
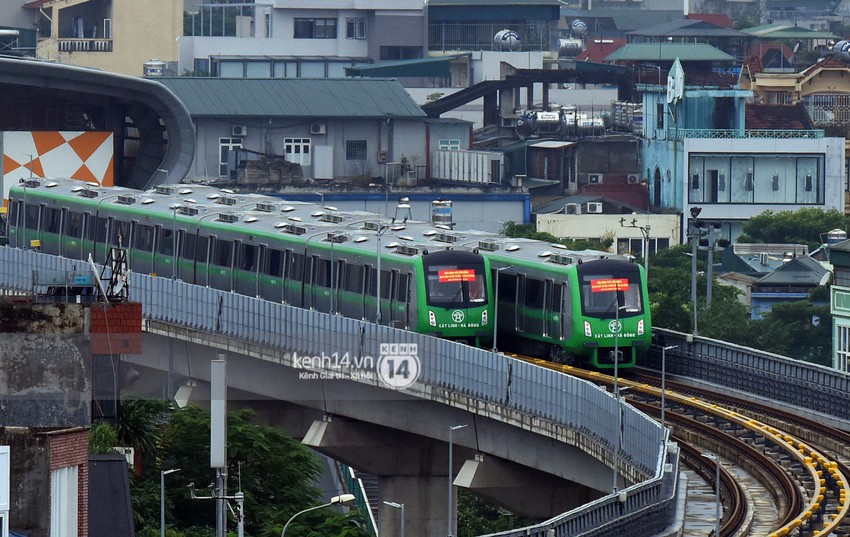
(399, 300)
(351, 297)
(196, 252)
(532, 305)
(551, 319)
(143, 243)
(368, 301)
(31, 224)
(294, 280)
(72, 234)
(164, 262)
(272, 282)
(566, 311)
(221, 264)
(321, 288)
(51, 230)
(245, 268)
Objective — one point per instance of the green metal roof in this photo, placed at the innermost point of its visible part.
(787, 31)
(432, 67)
(686, 52)
(294, 97)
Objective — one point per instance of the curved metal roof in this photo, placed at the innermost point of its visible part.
(166, 132)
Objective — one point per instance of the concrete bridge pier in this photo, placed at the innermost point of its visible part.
(412, 470)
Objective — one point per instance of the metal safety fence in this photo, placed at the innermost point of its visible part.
(516, 392)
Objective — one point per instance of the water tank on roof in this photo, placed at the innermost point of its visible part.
(842, 51)
(570, 47)
(507, 40)
(578, 28)
(835, 236)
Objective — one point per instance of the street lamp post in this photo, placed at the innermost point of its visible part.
(174, 208)
(496, 307)
(342, 499)
(452, 429)
(162, 475)
(378, 235)
(399, 506)
(716, 459)
(663, 374)
(695, 236)
(619, 433)
(644, 231)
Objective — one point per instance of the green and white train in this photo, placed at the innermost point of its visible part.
(566, 306)
(295, 253)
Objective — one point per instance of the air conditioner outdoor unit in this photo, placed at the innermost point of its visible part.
(382, 157)
(318, 128)
(594, 207)
(634, 179)
(572, 208)
(239, 130)
(594, 178)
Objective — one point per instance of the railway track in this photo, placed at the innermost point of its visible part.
(789, 455)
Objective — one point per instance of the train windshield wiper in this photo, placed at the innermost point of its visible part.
(455, 297)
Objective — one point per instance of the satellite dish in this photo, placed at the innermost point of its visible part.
(841, 50)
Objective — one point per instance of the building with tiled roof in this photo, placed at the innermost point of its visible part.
(778, 116)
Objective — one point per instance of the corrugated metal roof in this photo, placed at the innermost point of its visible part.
(438, 66)
(787, 31)
(693, 52)
(688, 28)
(294, 97)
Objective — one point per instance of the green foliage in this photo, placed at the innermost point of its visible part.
(434, 97)
(477, 517)
(804, 226)
(140, 424)
(277, 476)
(791, 330)
(102, 438)
(527, 231)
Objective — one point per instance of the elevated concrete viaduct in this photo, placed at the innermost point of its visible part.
(398, 437)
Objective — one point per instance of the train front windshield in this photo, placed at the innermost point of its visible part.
(456, 285)
(599, 292)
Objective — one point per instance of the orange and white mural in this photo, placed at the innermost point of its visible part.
(83, 155)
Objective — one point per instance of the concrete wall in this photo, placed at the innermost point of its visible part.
(30, 481)
(44, 366)
(594, 226)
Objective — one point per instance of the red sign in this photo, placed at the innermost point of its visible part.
(456, 275)
(609, 284)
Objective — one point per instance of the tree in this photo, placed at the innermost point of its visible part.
(527, 231)
(800, 330)
(476, 517)
(803, 226)
(276, 473)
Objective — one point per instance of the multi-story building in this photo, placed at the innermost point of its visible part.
(109, 35)
(292, 39)
(710, 153)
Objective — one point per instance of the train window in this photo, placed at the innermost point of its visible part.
(120, 233)
(165, 245)
(604, 302)
(534, 294)
(322, 272)
(273, 262)
(31, 217)
(455, 285)
(74, 225)
(144, 237)
(14, 209)
(222, 253)
(296, 271)
(52, 220)
(353, 278)
(386, 277)
(247, 257)
(96, 230)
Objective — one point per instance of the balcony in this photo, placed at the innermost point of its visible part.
(84, 45)
(776, 134)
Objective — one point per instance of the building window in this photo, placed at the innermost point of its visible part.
(297, 150)
(450, 145)
(227, 153)
(659, 112)
(202, 67)
(355, 150)
(401, 53)
(315, 29)
(355, 28)
(842, 348)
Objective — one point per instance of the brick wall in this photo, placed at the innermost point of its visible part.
(68, 448)
(116, 328)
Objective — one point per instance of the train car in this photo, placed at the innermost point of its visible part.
(303, 254)
(566, 306)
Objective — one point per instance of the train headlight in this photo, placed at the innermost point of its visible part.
(432, 319)
(484, 318)
(640, 327)
(587, 331)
